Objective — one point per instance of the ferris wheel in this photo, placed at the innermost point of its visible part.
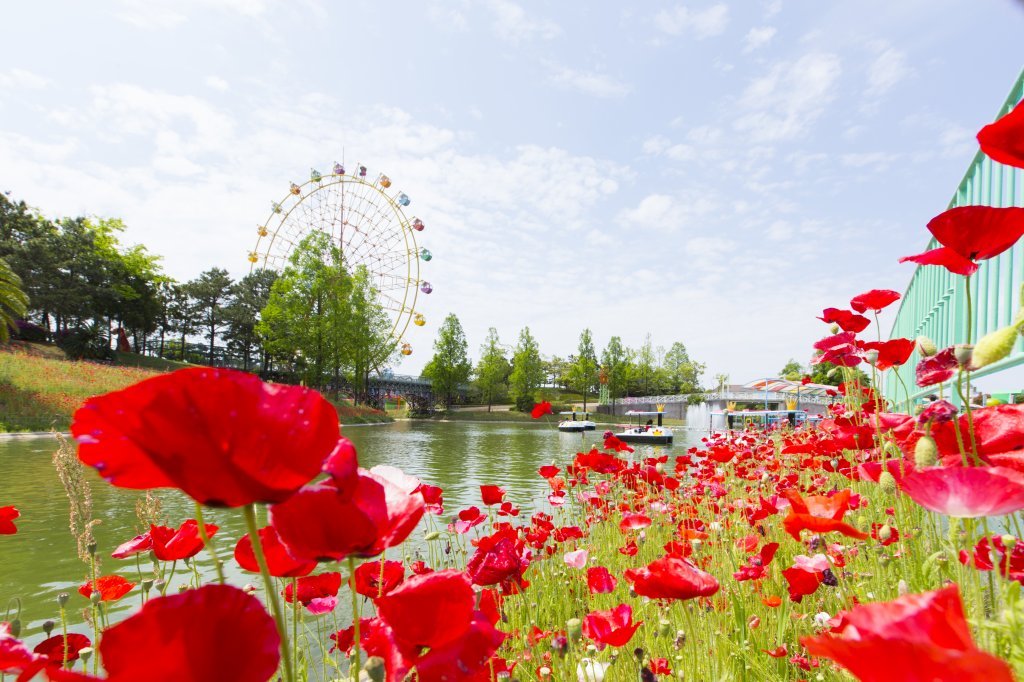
(366, 221)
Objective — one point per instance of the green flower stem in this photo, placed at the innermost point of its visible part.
(354, 670)
(208, 543)
(268, 583)
(295, 623)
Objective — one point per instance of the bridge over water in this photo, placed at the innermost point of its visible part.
(935, 302)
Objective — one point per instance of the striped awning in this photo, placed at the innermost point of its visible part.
(786, 386)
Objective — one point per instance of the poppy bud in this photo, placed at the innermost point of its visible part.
(871, 357)
(926, 347)
(91, 548)
(374, 668)
(834, 329)
(963, 352)
(48, 626)
(926, 453)
(95, 597)
(62, 599)
(574, 628)
(994, 346)
(639, 653)
(146, 585)
(1009, 541)
(680, 639)
(664, 627)
(753, 622)
(85, 654)
(15, 626)
(885, 532)
(887, 482)
(249, 588)
(432, 535)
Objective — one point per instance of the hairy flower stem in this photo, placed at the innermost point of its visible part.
(354, 671)
(268, 584)
(295, 623)
(970, 339)
(208, 543)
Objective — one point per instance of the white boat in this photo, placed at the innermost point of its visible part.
(649, 432)
(577, 422)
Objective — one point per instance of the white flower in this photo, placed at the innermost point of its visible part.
(821, 619)
(591, 671)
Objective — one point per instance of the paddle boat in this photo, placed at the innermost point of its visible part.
(649, 432)
(738, 420)
(574, 424)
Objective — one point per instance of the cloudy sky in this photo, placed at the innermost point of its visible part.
(707, 172)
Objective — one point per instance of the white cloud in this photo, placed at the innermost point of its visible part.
(887, 70)
(664, 213)
(20, 78)
(513, 25)
(704, 23)
(217, 83)
(758, 37)
(787, 100)
(588, 82)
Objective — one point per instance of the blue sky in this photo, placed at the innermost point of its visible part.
(709, 172)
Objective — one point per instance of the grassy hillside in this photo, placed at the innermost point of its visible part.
(40, 388)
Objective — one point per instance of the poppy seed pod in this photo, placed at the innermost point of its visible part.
(374, 668)
(887, 482)
(62, 599)
(15, 626)
(926, 346)
(926, 453)
(963, 353)
(85, 654)
(48, 626)
(574, 628)
(994, 346)
(885, 532)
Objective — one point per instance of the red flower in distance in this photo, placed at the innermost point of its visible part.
(612, 442)
(874, 300)
(671, 577)
(614, 627)
(1003, 141)
(53, 648)
(839, 349)
(819, 514)
(380, 512)
(634, 522)
(541, 409)
(915, 637)
(433, 498)
(847, 321)
(492, 494)
(599, 580)
(139, 543)
(373, 582)
(7, 516)
(318, 593)
(891, 353)
(802, 581)
(110, 587)
(169, 544)
(969, 234)
(966, 492)
(222, 437)
(280, 563)
(469, 517)
(548, 470)
(500, 558)
(937, 368)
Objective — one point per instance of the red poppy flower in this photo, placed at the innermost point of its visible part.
(757, 565)
(110, 587)
(500, 558)
(937, 368)
(819, 514)
(634, 522)
(7, 516)
(839, 349)
(848, 321)
(342, 465)
(374, 582)
(566, 533)
(966, 492)
(969, 234)
(318, 593)
(915, 637)
(468, 518)
(184, 543)
(380, 513)
(801, 581)
(659, 666)
(492, 494)
(548, 470)
(15, 657)
(1003, 141)
(671, 578)
(53, 648)
(223, 437)
(139, 647)
(614, 627)
(891, 353)
(874, 300)
(599, 580)
(540, 409)
(433, 499)
(612, 442)
(280, 563)
(466, 657)
(629, 549)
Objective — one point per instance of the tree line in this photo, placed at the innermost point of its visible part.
(518, 373)
(317, 321)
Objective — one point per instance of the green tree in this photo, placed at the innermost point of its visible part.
(366, 341)
(682, 373)
(791, 371)
(211, 292)
(181, 314)
(249, 296)
(645, 367)
(721, 382)
(527, 371)
(493, 369)
(615, 360)
(582, 372)
(832, 375)
(13, 301)
(450, 366)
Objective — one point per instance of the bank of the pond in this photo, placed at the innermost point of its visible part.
(512, 416)
(40, 389)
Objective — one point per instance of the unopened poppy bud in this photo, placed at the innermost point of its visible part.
(1009, 541)
(887, 482)
(926, 453)
(182, 588)
(85, 654)
(926, 347)
(754, 622)
(91, 548)
(147, 585)
(664, 627)
(159, 584)
(95, 597)
(659, 467)
(963, 352)
(249, 588)
(994, 346)
(48, 626)
(374, 668)
(639, 653)
(432, 535)
(885, 532)
(871, 357)
(15, 626)
(834, 329)
(544, 672)
(574, 628)
(62, 599)
(902, 588)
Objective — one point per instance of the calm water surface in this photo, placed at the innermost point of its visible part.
(40, 561)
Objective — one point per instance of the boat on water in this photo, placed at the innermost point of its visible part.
(738, 420)
(576, 423)
(650, 432)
